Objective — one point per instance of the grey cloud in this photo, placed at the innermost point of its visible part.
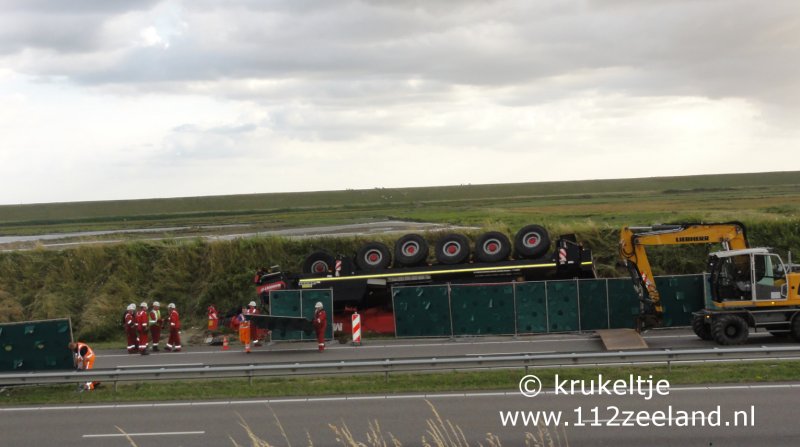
(701, 48)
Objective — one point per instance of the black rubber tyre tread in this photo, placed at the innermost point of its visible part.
(317, 256)
(700, 328)
(417, 258)
(481, 255)
(523, 251)
(729, 330)
(796, 327)
(364, 264)
(459, 258)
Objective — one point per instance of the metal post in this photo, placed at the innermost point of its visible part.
(578, 293)
(394, 312)
(608, 307)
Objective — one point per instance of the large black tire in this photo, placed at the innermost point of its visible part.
(531, 241)
(373, 256)
(319, 262)
(452, 249)
(492, 247)
(701, 329)
(796, 327)
(729, 330)
(410, 250)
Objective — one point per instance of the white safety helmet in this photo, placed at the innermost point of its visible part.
(143, 304)
(155, 304)
(131, 306)
(252, 304)
(171, 306)
(318, 305)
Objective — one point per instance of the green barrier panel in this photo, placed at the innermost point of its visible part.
(421, 311)
(593, 304)
(35, 345)
(300, 303)
(481, 310)
(680, 296)
(562, 306)
(309, 299)
(531, 307)
(286, 303)
(623, 303)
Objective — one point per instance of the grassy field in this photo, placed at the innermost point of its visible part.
(92, 283)
(746, 197)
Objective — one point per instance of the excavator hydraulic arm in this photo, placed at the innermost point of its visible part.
(633, 242)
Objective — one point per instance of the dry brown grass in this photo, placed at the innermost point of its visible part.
(441, 432)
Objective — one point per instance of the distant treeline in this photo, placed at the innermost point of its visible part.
(92, 284)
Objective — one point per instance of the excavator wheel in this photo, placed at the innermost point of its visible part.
(796, 327)
(701, 329)
(729, 330)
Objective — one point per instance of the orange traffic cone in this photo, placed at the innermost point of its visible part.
(225, 343)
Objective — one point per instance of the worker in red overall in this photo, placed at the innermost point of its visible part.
(142, 325)
(244, 329)
(83, 359)
(256, 334)
(320, 323)
(155, 322)
(174, 342)
(130, 330)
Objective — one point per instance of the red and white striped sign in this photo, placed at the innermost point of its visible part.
(356, 321)
(562, 255)
(338, 268)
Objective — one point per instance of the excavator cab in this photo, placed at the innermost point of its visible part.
(753, 274)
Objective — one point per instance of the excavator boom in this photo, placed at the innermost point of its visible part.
(633, 245)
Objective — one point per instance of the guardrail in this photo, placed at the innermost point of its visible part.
(387, 366)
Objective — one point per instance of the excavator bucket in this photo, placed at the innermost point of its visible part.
(621, 339)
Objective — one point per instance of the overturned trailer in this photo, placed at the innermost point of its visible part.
(364, 282)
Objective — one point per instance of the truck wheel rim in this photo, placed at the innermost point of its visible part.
(492, 246)
(319, 267)
(410, 248)
(373, 257)
(531, 240)
(452, 248)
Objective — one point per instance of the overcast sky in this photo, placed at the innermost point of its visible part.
(103, 99)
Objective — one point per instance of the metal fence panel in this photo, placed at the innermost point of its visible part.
(285, 303)
(35, 345)
(531, 307)
(680, 296)
(300, 303)
(482, 309)
(562, 306)
(593, 304)
(421, 311)
(623, 303)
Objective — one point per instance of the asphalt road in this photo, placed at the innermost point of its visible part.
(282, 352)
(769, 410)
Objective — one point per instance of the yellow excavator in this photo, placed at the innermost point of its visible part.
(749, 287)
